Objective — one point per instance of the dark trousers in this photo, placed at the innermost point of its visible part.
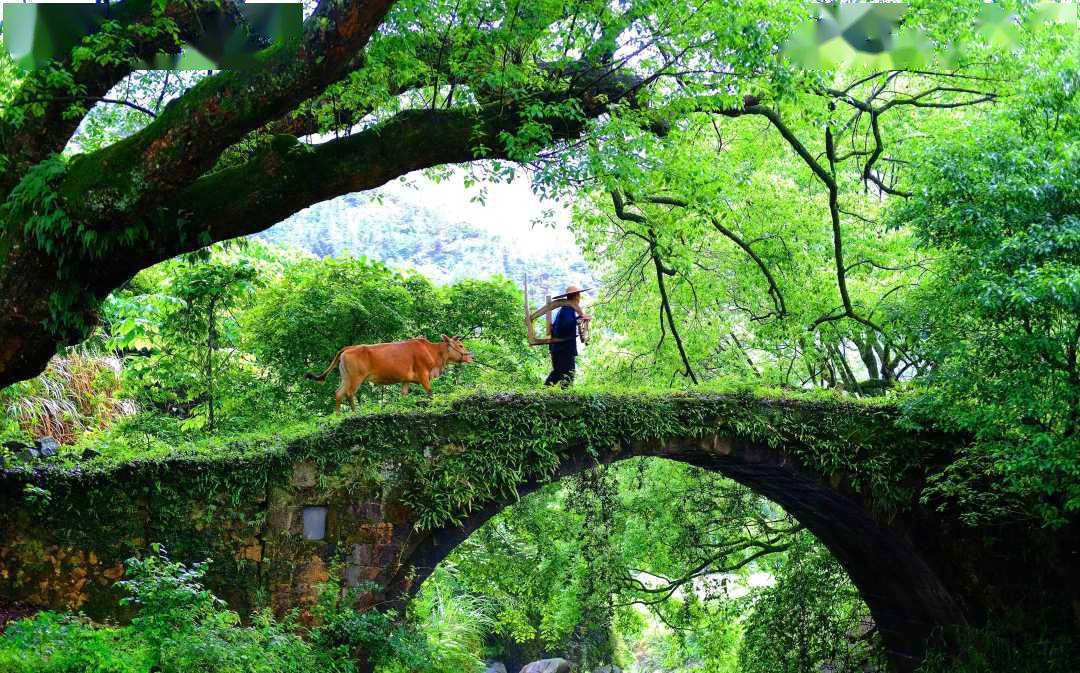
(562, 368)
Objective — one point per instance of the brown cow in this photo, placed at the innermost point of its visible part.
(413, 361)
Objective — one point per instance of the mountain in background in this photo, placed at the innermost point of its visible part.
(400, 231)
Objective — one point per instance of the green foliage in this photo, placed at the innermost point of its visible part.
(964, 295)
(810, 619)
(226, 336)
(53, 643)
(1008, 644)
(453, 622)
(387, 644)
(462, 451)
(330, 304)
(76, 394)
(530, 565)
(316, 307)
(179, 627)
(748, 260)
(183, 334)
(36, 203)
(998, 317)
(676, 554)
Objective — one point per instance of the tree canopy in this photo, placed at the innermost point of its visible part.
(760, 213)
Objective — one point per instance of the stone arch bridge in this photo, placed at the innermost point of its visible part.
(383, 498)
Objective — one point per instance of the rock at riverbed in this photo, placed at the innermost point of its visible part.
(48, 447)
(28, 455)
(548, 666)
(495, 667)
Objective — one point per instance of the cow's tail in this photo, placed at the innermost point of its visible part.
(326, 372)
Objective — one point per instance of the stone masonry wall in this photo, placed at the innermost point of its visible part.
(273, 539)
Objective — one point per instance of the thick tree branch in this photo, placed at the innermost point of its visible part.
(186, 139)
(282, 178)
(44, 124)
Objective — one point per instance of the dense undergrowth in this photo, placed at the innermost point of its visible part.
(136, 439)
(178, 626)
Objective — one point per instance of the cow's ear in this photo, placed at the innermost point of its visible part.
(445, 338)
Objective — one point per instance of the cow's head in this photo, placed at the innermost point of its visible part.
(455, 350)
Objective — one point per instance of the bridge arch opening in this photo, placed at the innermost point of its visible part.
(719, 540)
(907, 599)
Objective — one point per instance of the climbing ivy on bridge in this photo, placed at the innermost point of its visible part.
(453, 457)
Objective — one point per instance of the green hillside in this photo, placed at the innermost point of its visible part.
(406, 234)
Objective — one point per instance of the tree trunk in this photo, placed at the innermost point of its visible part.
(211, 336)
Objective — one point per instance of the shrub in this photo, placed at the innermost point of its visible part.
(179, 627)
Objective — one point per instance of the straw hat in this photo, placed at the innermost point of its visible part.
(571, 290)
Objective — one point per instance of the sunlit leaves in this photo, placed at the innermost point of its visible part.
(999, 315)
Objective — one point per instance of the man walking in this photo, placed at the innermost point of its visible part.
(564, 327)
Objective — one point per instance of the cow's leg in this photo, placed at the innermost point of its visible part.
(425, 380)
(349, 383)
(405, 388)
(359, 381)
(340, 394)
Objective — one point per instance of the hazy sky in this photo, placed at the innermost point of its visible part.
(510, 209)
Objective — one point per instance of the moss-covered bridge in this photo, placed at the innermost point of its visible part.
(385, 497)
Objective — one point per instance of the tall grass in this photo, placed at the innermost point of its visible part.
(77, 392)
(455, 623)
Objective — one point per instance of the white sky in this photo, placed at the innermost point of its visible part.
(510, 209)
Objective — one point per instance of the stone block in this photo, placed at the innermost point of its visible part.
(353, 576)
(114, 573)
(548, 666)
(721, 445)
(48, 447)
(387, 555)
(295, 521)
(371, 511)
(361, 554)
(376, 533)
(308, 579)
(304, 475)
(252, 551)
